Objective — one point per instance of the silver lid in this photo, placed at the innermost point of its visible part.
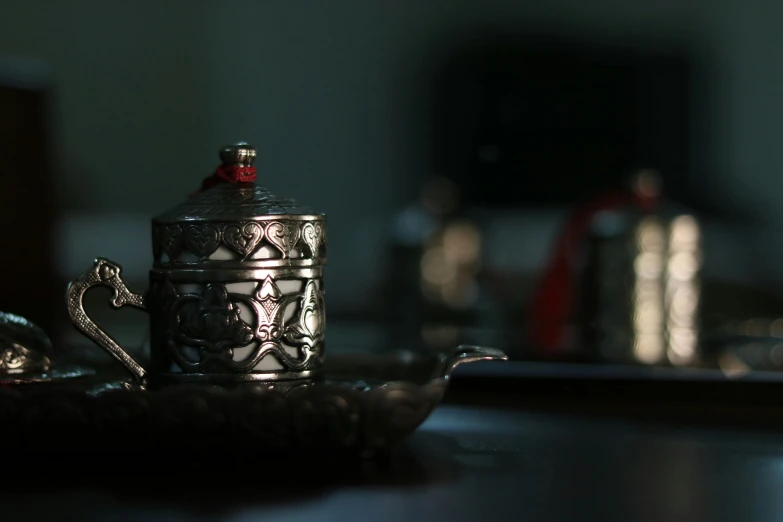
(235, 201)
(233, 222)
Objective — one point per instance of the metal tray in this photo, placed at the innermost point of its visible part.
(363, 403)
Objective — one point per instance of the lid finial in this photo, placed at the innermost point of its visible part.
(241, 153)
(237, 166)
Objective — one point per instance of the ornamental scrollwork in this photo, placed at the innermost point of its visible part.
(308, 329)
(202, 240)
(313, 236)
(284, 236)
(204, 330)
(213, 324)
(242, 238)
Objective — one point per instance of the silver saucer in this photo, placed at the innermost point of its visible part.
(363, 402)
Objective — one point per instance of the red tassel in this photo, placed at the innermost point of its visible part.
(236, 173)
(553, 302)
(228, 174)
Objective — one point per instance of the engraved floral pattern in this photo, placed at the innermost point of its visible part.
(269, 304)
(214, 323)
(307, 331)
(313, 235)
(283, 235)
(243, 239)
(203, 240)
(172, 241)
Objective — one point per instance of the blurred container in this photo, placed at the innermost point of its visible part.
(640, 292)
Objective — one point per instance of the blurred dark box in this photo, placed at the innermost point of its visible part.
(524, 122)
(28, 281)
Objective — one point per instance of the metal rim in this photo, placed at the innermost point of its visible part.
(255, 264)
(219, 378)
(234, 219)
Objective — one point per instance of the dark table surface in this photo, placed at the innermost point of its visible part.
(569, 456)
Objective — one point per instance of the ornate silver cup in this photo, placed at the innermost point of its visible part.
(236, 288)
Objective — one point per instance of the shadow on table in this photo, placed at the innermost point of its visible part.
(221, 484)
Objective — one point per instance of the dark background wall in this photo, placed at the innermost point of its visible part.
(338, 97)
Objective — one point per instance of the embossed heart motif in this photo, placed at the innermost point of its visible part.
(171, 241)
(311, 319)
(203, 240)
(243, 240)
(284, 236)
(313, 235)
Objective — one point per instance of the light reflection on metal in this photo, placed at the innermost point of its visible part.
(682, 289)
(648, 320)
(732, 366)
(449, 265)
(776, 354)
(757, 343)
(776, 328)
(435, 268)
(665, 291)
(757, 327)
(461, 244)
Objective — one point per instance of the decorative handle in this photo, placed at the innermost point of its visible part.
(467, 354)
(106, 273)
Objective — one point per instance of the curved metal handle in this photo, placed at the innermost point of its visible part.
(467, 354)
(105, 273)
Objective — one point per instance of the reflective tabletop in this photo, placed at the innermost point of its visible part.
(557, 460)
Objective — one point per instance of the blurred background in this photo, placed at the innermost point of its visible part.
(481, 164)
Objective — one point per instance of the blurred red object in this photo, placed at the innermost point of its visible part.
(553, 305)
